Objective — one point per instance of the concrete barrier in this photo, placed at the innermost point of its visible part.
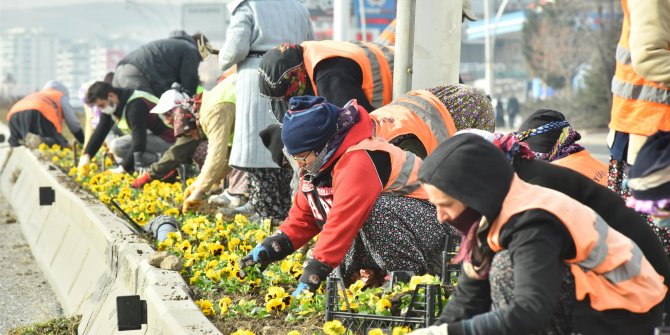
(89, 256)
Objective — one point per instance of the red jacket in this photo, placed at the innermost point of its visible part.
(346, 196)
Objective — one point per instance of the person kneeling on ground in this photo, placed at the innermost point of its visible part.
(358, 193)
(42, 113)
(534, 260)
(129, 109)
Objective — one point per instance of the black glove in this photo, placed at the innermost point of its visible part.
(314, 273)
(272, 249)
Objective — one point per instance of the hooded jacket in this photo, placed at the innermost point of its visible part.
(169, 60)
(480, 177)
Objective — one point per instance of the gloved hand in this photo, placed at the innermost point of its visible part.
(118, 170)
(301, 287)
(432, 330)
(194, 200)
(141, 180)
(83, 161)
(259, 255)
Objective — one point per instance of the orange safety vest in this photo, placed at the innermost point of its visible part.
(375, 61)
(418, 112)
(608, 266)
(584, 163)
(639, 106)
(47, 102)
(404, 180)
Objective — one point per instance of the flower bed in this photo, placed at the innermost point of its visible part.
(210, 248)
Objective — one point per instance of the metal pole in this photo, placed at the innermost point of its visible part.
(437, 43)
(364, 26)
(488, 55)
(492, 50)
(404, 47)
(341, 19)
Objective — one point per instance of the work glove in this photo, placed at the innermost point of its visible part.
(194, 200)
(314, 273)
(141, 180)
(259, 255)
(83, 161)
(118, 170)
(301, 287)
(272, 249)
(432, 330)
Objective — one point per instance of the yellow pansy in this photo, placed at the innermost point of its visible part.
(334, 327)
(376, 331)
(275, 305)
(401, 330)
(243, 332)
(382, 305)
(206, 306)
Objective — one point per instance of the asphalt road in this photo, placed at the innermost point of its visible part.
(25, 295)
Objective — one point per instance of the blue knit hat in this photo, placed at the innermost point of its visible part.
(309, 124)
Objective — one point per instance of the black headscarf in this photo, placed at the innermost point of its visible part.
(472, 170)
(546, 141)
(283, 75)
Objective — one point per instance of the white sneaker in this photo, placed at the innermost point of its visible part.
(225, 199)
(246, 210)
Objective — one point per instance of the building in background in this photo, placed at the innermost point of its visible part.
(27, 56)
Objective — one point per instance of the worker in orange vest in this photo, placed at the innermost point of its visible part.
(336, 70)
(552, 139)
(641, 84)
(534, 260)
(42, 113)
(358, 193)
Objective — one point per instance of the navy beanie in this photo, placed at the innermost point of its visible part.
(309, 124)
(652, 161)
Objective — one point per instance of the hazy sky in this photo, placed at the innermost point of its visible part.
(25, 4)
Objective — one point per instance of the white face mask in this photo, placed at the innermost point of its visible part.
(109, 109)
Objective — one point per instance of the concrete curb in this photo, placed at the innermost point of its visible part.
(89, 256)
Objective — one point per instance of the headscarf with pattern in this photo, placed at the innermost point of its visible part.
(283, 75)
(469, 107)
(549, 135)
(186, 115)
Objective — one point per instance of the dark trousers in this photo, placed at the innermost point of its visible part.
(32, 121)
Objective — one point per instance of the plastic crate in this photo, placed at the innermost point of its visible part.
(450, 272)
(424, 307)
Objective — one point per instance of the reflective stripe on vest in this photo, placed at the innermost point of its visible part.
(403, 180)
(47, 102)
(375, 62)
(123, 123)
(417, 112)
(608, 266)
(639, 106)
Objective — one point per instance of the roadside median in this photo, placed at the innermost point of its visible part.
(88, 254)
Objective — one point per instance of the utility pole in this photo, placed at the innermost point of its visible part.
(428, 51)
(488, 51)
(341, 19)
(404, 47)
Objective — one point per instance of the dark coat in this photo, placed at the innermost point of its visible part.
(474, 171)
(169, 60)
